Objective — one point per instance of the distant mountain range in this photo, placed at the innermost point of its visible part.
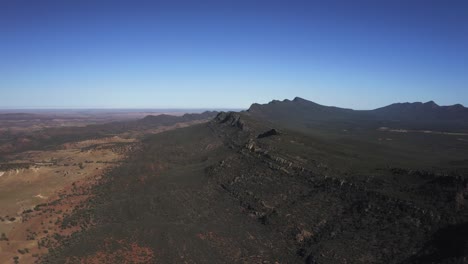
(24, 116)
(422, 111)
(300, 108)
(165, 120)
(53, 136)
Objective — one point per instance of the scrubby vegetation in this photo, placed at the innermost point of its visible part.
(247, 189)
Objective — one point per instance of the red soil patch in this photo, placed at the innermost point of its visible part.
(126, 253)
(41, 227)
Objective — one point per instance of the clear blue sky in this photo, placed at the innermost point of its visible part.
(200, 54)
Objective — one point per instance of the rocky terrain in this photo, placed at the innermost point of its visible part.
(278, 183)
(244, 188)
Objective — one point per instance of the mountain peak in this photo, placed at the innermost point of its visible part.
(299, 99)
(431, 104)
(456, 106)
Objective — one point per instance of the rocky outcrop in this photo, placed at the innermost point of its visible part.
(230, 118)
(269, 133)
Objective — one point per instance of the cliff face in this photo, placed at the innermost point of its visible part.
(230, 118)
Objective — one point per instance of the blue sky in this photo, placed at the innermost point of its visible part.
(229, 54)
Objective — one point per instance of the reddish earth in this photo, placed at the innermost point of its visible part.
(41, 227)
(127, 253)
(35, 199)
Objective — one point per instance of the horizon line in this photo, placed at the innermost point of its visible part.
(121, 108)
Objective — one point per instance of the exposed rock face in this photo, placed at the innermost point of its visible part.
(271, 132)
(231, 118)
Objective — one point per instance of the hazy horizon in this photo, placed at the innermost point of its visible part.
(182, 109)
